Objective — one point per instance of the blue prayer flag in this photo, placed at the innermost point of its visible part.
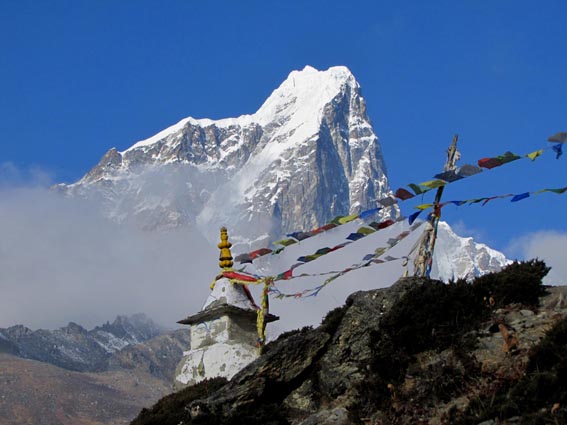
(519, 197)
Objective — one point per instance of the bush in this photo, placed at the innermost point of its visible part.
(519, 282)
(333, 319)
(434, 315)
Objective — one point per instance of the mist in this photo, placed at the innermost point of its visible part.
(61, 261)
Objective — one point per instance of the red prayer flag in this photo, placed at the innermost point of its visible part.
(403, 194)
(489, 163)
(239, 276)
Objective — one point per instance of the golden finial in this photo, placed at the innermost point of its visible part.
(225, 255)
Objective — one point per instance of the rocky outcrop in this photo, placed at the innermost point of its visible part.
(417, 352)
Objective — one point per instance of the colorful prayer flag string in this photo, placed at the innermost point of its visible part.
(485, 200)
(402, 194)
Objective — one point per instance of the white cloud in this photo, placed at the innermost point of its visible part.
(549, 246)
(60, 261)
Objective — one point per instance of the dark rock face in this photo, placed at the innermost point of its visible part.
(351, 344)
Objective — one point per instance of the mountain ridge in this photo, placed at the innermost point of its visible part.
(72, 347)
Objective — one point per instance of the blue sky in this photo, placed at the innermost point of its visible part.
(79, 77)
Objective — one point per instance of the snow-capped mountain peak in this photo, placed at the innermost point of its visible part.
(307, 155)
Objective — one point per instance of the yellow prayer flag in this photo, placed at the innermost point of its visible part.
(423, 207)
(348, 218)
(433, 184)
(535, 154)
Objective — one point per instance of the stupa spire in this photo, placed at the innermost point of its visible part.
(225, 258)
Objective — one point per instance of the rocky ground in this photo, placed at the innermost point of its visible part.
(420, 352)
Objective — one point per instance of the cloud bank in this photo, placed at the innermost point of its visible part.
(61, 261)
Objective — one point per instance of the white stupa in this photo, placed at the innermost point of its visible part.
(224, 336)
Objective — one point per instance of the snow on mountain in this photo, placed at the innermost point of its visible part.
(307, 155)
(457, 257)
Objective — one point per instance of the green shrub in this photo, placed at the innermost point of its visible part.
(519, 282)
(333, 319)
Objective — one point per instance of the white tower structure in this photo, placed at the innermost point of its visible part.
(224, 335)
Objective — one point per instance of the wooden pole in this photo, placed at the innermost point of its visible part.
(424, 258)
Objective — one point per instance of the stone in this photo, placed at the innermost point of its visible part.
(337, 416)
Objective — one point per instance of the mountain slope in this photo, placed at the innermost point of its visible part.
(73, 347)
(36, 392)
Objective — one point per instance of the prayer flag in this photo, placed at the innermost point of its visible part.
(365, 230)
(489, 163)
(348, 218)
(387, 202)
(355, 236)
(336, 220)
(368, 213)
(558, 191)
(418, 190)
(285, 242)
(260, 252)
(519, 197)
(534, 154)
(560, 137)
(324, 228)
(433, 184)
(508, 157)
(243, 258)
(423, 207)
(239, 276)
(403, 194)
(468, 170)
(413, 217)
(449, 176)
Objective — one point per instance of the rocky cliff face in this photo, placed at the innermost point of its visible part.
(418, 352)
(307, 155)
